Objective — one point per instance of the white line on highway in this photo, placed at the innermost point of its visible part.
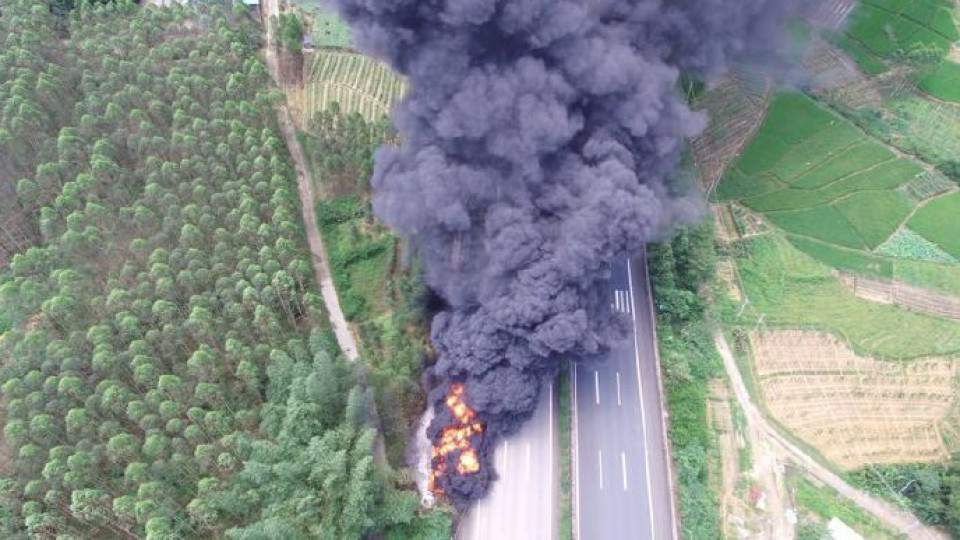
(600, 456)
(576, 448)
(506, 455)
(619, 401)
(643, 412)
(596, 385)
(528, 463)
(623, 467)
(478, 521)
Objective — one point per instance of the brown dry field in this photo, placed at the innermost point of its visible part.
(736, 107)
(904, 295)
(855, 411)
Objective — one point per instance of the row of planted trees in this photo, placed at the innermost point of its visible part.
(168, 375)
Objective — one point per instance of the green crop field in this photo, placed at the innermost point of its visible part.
(939, 222)
(943, 82)
(884, 29)
(906, 244)
(815, 175)
(822, 222)
(358, 83)
(875, 215)
(783, 283)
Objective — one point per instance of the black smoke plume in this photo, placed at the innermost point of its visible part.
(539, 138)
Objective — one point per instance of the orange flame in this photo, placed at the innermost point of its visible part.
(457, 438)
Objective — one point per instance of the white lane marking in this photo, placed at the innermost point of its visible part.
(477, 521)
(619, 401)
(630, 303)
(600, 456)
(552, 448)
(527, 475)
(623, 467)
(596, 385)
(576, 449)
(506, 455)
(616, 300)
(643, 413)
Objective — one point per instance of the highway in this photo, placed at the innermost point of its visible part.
(522, 502)
(622, 473)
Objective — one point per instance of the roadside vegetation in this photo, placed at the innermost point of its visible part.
(819, 504)
(169, 373)
(679, 271)
(378, 283)
(565, 434)
(930, 491)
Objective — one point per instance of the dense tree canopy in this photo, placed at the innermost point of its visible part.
(167, 374)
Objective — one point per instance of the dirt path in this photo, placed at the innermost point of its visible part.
(321, 265)
(893, 517)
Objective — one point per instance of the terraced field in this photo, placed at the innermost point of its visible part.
(787, 289)
(357, 83)
(818, 178)
(855, 410)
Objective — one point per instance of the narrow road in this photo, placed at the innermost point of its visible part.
(623, 480)
(318, 252)
(892, 516)
(522, 502)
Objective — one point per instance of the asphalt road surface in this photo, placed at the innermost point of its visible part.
(623, 487)
(522, 503)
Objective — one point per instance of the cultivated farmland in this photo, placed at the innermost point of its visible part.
(943, 82)
(880, 30)
(786, 289)
(815, 175)
(360, 84)
(854, 410)
(939, 222)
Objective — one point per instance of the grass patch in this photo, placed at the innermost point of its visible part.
(945, 278)
(849, 260)
(679, 270)
(326, 27)
(791, 290)
(360, 252)
(826, 504)
(939, 222)
(875, 215)
(943, 82)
